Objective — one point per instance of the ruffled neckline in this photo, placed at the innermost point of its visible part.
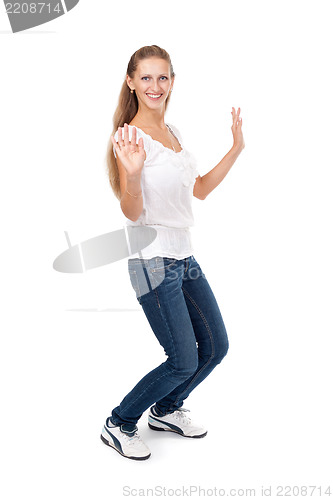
(162, 145)
(187, 163)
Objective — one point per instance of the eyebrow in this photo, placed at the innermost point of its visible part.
(162, 74)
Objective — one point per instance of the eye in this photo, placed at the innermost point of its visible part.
(145, 78)
(164, 77)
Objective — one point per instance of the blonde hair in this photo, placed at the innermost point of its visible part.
(128, 107)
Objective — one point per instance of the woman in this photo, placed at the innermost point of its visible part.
(155, 177)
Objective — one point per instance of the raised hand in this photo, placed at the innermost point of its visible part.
(236, 129)
(131, 155)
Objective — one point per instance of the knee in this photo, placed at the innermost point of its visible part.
(221, 350)
(218, 352)
(189, 370)
(185, 368)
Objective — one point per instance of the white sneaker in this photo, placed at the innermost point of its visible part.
(176, 421)
(128, 444)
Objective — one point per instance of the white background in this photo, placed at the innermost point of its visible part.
(69, 348)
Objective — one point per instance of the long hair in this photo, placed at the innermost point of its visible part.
(128, 107)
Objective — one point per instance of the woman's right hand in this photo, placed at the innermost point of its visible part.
(131, 155)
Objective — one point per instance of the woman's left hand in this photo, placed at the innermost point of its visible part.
(236, 129)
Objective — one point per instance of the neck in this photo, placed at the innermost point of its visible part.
(150, 118)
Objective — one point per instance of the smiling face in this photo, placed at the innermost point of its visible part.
(152, 82)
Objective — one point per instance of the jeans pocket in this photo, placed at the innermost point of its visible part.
(135, 283)
(161, 263)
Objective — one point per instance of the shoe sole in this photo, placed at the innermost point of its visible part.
(176, 432)
(105, 441)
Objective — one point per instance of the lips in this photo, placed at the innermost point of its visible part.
(154, 97)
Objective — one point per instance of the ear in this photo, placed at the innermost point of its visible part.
(172, 82)
(129, 82)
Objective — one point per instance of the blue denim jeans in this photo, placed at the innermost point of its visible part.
(184, 315)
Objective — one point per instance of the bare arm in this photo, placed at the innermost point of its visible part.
(205, 184)
(130, 159)
(131, 202)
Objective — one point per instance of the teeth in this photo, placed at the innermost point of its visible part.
(154, 96)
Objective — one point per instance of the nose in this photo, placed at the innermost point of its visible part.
(155, 87)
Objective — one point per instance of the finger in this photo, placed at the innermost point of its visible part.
(120, 136)
(114, 142)
(234, 116)
(140, 145)
(126, 139)
(133, 139)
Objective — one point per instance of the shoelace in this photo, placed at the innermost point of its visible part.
(180, 415)
(132, 440)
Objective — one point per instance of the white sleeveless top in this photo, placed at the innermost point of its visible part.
(167, 181)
